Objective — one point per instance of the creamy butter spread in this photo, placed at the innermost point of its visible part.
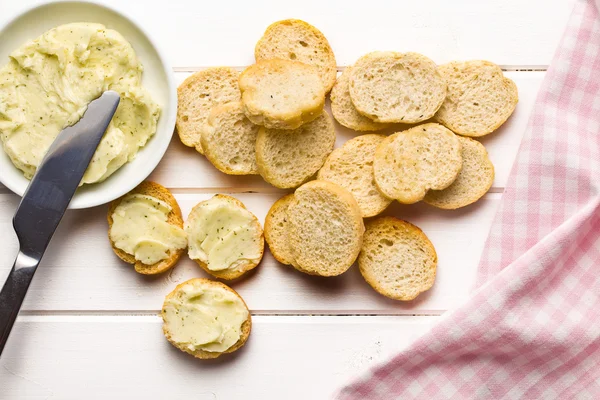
(140, 228)
(48, 83)
(222, 235)
(204, 317)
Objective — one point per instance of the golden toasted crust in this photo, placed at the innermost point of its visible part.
(287, 159)
(351, 167)
(343, 109)
(197, 95)
(249, 265)
(480, 98)
(229, 142)
(409, 163)
(276, 230)
(474, 179)
(281, 94)
(396, 87)
(174, 218)
(294, 39)
(326, 229)
(202, 354)
(397, 259)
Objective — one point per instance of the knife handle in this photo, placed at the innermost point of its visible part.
(13, 292)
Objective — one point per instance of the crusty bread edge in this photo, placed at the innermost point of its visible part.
(174, 218)
(268, 227)
(203, 354)
(417, 231)
(330, 79)
(269, 119)
(358, 222)
(471, 199)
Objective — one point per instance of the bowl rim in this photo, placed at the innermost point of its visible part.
(156, 157)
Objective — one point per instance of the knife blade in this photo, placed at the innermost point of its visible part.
(47, 198)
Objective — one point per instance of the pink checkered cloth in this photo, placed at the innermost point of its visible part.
(531, 330)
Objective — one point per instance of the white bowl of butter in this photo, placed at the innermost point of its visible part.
(118, 53)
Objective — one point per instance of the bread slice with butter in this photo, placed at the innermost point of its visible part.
(296, 40)
(396, 87)
(326, 229)
(146, 228)
(229, 142)
(397, 259)
(197, 95)
(480, 98)
(474, 180)
(409, 163)
(276, 230)
(351, 167)
(224, 238)
(206, 318)
(287, 159)
(282, 94)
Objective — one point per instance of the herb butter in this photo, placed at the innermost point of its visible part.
(48, 83)
(204, 315)
(140, 227)
(223, 235)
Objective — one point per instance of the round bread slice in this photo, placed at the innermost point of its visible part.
(343, 109)
(282, 94)
(218, 219)
(229, 143)
(396, 87)
(326, 229)
(197, 95)
(480, 98)
(174, 218)
(276, 230)
(287, 159)
(296, 40)
(409, 163)
(397, 259)
(201, 283)
(473, 181)
(351, 167)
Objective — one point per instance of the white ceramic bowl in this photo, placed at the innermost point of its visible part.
(157, 78)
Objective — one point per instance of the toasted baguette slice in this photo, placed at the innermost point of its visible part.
(326, 229)
(343, 109)
(351, 167)
(200, 283)
(229, 143)
(473, 181)
(276, 230)
(287, 159)
(282, 94)
(396, 87)
(296, 40)
(409, 163)
(480, 98)
(197, 95)
(224, 218)
(397, 259)
(174, 218)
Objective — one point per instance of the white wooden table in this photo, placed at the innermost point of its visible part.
(89, 326)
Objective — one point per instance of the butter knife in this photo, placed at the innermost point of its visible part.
(46, 199)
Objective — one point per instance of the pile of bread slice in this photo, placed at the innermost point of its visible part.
(270, 120)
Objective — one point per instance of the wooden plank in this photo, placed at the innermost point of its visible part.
(128, 357)
(80, 271)
(197, 33)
